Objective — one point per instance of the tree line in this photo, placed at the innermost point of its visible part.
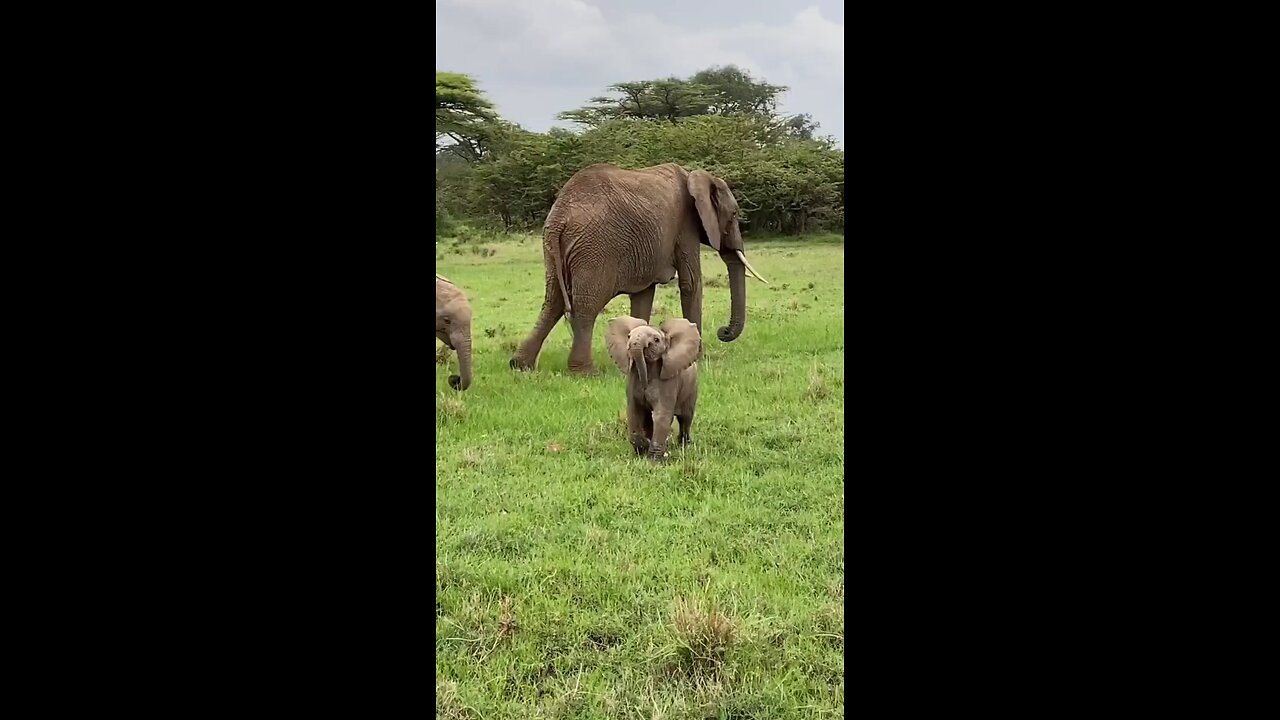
(788, 179)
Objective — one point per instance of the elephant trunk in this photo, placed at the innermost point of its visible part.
(637, 360)
(737, 298)
(462, 343)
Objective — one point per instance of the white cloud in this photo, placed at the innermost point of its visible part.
(537, 57)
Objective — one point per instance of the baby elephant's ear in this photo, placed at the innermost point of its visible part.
(615, 338)
(683, 343)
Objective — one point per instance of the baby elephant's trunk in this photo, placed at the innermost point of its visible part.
(637, 359)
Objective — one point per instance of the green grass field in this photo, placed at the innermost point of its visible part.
(574, 580)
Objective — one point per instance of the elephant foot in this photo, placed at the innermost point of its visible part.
(584, 371)
(640, 444)
(518, 362)
(660, 457)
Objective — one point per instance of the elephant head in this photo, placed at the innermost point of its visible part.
(453, 328)
(717, 212)
(633, 343)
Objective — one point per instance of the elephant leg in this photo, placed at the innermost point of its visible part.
(586, 309)
(685, 422)
(584, 325)
(636, 426)
(552, 309)
(691, 303)
(642, 303)
(661, 431)
(689, 269)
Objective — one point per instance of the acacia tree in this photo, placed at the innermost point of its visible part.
(721, 120)
(732, 91)
(463, 115)
(727, 91)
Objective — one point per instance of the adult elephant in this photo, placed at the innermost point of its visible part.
(613, 231)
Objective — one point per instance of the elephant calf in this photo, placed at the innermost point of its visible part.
(453, 328)
(662, 378)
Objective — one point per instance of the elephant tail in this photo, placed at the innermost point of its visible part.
(553, 247)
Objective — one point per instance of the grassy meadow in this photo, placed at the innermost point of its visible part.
(574, 580)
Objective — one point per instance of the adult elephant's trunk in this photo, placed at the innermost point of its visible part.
(462, 343)
(637, 359)
(737, 297)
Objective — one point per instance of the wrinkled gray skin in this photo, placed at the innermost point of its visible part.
(662, 379)
(453, 328)
(614, 231)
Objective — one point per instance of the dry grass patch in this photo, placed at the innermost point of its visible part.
(449, 705)
(450, 409)
(506, 619)
(474, 457)
(703, 634)
(819, 388)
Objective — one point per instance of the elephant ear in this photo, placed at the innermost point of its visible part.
(683, 343)
(702, 188)
(615, 338)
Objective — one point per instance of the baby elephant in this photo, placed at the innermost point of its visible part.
(453, 328)
(662, 378)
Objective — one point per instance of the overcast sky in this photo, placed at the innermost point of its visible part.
(535, 58)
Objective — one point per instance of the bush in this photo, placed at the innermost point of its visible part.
(788, 186)
(444, 221)
(787, 181)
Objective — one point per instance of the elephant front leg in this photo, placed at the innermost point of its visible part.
(636, 427)
(685, 422)
(691, 303)
(691, 300)
(661, 431)
(642, 303)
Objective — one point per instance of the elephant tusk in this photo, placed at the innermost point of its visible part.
(750, 269)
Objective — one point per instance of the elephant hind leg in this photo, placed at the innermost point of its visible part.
(583, 323)
(552, 309)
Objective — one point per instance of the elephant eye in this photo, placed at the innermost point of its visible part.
(446, 319)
